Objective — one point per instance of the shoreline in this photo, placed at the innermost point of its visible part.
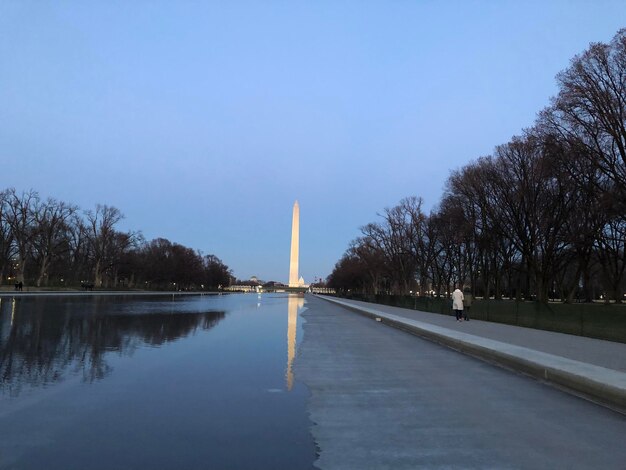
(78, 293)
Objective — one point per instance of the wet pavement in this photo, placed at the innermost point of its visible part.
(383, 398)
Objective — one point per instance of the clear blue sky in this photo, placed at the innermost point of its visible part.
(204, 121)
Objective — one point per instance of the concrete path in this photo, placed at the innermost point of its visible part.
(382, 398)
(592, 368)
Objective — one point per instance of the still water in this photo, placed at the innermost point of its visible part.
(189, 382)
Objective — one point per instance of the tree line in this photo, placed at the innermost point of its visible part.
(543, 216)
(54, 243)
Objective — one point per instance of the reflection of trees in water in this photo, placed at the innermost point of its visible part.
(38, 347)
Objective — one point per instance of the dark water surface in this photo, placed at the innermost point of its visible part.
(193, 382)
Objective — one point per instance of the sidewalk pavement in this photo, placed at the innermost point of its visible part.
(591, 368)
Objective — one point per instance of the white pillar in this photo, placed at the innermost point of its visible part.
(295, 246)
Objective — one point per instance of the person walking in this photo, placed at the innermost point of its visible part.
(457, 303)
(467, 303)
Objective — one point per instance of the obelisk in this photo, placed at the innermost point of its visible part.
(295, 246)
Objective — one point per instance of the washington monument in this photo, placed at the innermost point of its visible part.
(294, 280)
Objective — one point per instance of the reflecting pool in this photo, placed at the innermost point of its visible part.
(190, 382)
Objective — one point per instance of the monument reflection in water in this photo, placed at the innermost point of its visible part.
(191, 382)
(294, 303)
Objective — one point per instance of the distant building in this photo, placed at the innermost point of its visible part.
(242, 288)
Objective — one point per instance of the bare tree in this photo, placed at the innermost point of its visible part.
(50, 240)
(77, 260)
(102, 238)
(217, 273)
(612, 255)
(486, 254)
(591, 107)
(6, 236)
(372, 261)
(537, 203)
(20, 214)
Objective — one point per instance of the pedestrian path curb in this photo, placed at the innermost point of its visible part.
(596, 383)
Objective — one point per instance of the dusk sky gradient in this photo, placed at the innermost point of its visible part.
(203, 122)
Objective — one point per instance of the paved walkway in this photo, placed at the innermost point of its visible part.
(592, 368)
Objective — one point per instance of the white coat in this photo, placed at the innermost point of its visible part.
(457, 300)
